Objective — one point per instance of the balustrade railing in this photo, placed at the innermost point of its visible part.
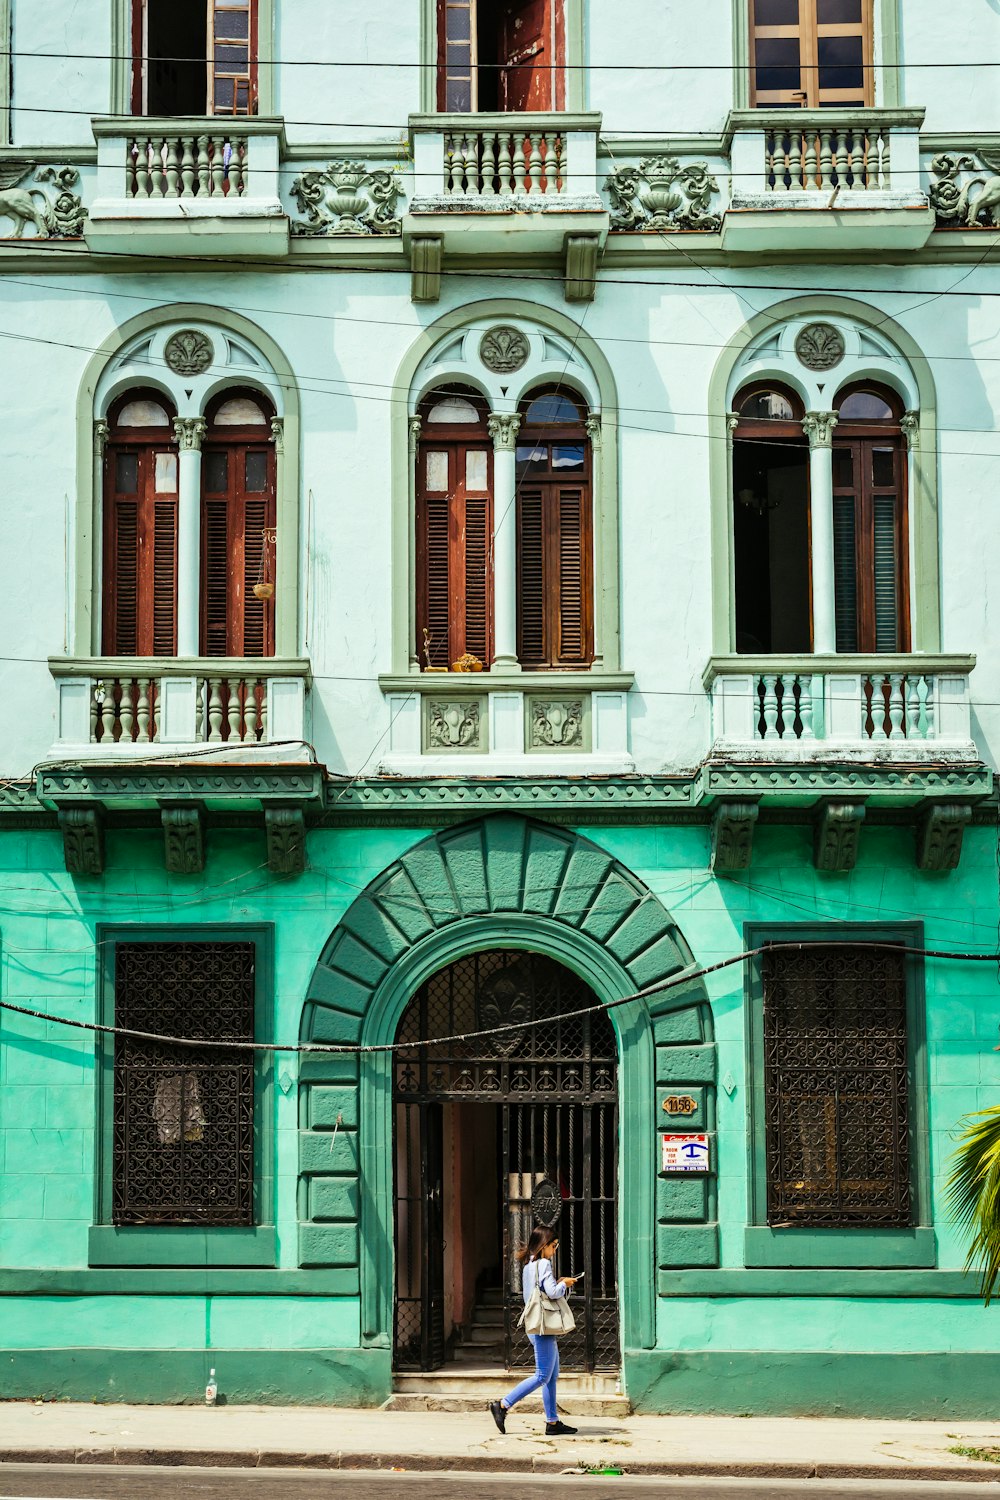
(187, 166)
(825, 157)
(903, 706)
(229, 710)
(498, 163)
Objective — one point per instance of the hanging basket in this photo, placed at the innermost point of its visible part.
(263, 590)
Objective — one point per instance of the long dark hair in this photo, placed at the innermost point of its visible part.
(540, 1239)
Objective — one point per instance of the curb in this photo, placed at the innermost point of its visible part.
(266, 1458)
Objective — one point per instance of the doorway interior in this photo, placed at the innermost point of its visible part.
(493, 1135)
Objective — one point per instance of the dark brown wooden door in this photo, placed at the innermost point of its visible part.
(555, 594)
(140, 547)
(528, 56)
(454, 549)
(869, 515)
(237, 513)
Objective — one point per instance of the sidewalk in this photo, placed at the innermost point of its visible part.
(311, 1437)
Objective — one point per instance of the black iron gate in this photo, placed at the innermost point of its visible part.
(553, 1087)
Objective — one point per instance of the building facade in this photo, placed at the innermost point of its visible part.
(433, 801)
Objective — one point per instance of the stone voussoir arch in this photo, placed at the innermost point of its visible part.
(503, 879)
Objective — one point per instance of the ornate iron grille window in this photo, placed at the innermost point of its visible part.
(836, 1087)
(183, 1148)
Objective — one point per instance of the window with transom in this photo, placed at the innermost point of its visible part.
(555, 614)
(454, 519)
(809, 54)
(504, 55)
(140, 528)
(238, 528)
(869, 519)
(194, 57)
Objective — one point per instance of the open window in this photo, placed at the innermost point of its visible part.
(771, 522)
(811, 54)
(504, 55)
(869, 521)
(238, 528)
(555, 591)
(194, 57)
(454, 495)
(140, 528)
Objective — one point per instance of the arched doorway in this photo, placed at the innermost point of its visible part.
(493, 1134)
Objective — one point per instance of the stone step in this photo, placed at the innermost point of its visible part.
(478, 1354)
(569, 1405)
(478, 1381)
(491, 1317)
(483, 1333)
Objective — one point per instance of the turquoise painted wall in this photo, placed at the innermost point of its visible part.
(47, 1149)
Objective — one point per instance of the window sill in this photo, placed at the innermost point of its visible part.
(557, 680)
(840, 1248)
(181, 1245)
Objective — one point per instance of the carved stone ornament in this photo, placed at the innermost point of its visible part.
(188, 352)
(189, 432)
(660, 194)
(732, 836)
(556, 723)
(453, 724)
(504, 1000)
(347, 199)
(974, 203)
(286, 840)
(820, 346)
(54, 212)
(818, 427)
(546, 1204)
(909, 424)
(183, 839)
(593, 430)
(503, 428)
(940, 834)
(504, 349)
(83, 839)
(838, 835)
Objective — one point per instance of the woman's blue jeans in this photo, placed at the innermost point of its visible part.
(546, 1347)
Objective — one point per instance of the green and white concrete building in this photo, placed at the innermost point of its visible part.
(647, 370)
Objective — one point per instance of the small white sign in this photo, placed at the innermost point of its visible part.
(685, 1153)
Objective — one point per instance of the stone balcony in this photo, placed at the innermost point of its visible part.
(494, 184)
(825, 179)
(199, 186)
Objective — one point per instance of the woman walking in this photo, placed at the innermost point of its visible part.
(536, 1259)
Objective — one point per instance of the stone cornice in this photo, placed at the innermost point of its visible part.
(65, 786)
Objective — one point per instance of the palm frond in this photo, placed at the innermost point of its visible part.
(974, 1194)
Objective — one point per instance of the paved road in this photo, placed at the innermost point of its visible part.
(56, 1482)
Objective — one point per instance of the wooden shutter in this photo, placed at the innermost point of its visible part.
(531, 577)
(572, 649)
(555, 608)
(234, 622)
(140, 555)
(477, 569)
(215, 573)
(869, 524)
(454, 554)
(527, 55)
(246, 607)
(845, 572)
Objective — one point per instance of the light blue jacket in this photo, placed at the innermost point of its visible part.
(542, 1269)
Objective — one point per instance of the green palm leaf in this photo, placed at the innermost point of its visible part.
(974, 1194)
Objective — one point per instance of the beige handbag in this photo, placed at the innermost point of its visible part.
(545, 1314)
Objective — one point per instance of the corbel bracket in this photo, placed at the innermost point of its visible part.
(732, 836)
(286, 840)
(838, 834)
(582, 251)
(426, 256)
(939, 835)
(183, 838)
(83, 839)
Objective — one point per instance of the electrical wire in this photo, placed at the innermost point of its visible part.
(681, 979)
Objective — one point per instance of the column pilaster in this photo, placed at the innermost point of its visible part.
(818, 427)
(190, 433)
(503, 429)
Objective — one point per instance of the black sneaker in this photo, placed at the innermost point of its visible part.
(499, 1414)
(559, 1429)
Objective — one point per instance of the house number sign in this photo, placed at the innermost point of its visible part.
(685, 1153)
(680, 1104)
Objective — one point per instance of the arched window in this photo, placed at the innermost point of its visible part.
(140, 528)
(555, 591)
(238, 528)
(771, 522)
(869, 519)
(454, 494)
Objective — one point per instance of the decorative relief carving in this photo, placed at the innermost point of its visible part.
(818, 427)
(504, 999)
(56, 213)
(940, 833)
(732, 836)
(188, 352)
(190, 432)
(973, 204)
(183, 839)
(278, 434)
(83, 839)
(503, 428)
(660, 194)
(454, 724)
(820, 346)
(286, 840)
(504, 349)
(838, 834)
(347, 199)
(909, 424)
(556, 723)
(593, 429)
(100, 437)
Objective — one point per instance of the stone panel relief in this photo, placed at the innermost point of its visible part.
(820, 346)
(556, 724)
(972, 203)
(504, 350)
(46, 203)
(347, 198)
(188, 352)
(660, 194)
(455, 724)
